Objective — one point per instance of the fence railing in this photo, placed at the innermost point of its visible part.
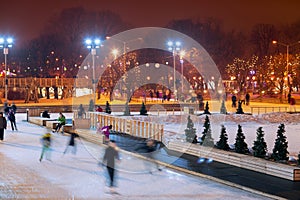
(137, 128)
(266, 109)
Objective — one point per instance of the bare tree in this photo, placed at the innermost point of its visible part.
(262, 36)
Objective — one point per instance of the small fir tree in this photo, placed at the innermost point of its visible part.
(240, 145)
(239, 109)
(107, 108)
(223, 142)
(280, 152)
(206, 139)
(127, 110)
(260, 146)
(223, 109)
(206, 110)
(91, 106)
(190, 131)
(143, 110)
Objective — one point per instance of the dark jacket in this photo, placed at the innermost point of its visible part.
(72, 139)
(109, 157)
(3, 123)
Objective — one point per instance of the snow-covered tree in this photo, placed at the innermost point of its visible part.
(223, 142)
(223, 109)
(259, 146)
(240, 145)
(206, 139)
(280, 152)
(190, 131)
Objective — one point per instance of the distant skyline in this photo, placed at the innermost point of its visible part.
(24, 19)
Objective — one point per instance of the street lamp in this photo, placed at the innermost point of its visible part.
(93, 44)
(5, 43)
(174, 47)
(287, 58)
(182, 53)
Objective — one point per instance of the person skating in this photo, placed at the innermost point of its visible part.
(3, 124)
(110, 155)
(72, 143)
(149, 149)
(46, 142)
(12, 119)
(105, 130)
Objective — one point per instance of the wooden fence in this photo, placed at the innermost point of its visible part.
(137, 128)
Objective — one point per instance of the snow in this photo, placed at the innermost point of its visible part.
(79, 176)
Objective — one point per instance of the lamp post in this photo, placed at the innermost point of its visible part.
(93, 45)
(182, 53)
(5, 43)
(174, 47)
(287, 59)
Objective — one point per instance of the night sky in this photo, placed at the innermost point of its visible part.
(24, 19)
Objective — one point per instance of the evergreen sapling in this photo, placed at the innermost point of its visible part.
(223, 109)
(240, 109)
(240, 145)
(280, 152)
(223, 142)
(260, 146)
(190, 131)
(143, 110)
(91, 105)
(206, 110)
(206, 139)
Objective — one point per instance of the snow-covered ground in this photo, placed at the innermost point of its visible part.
(78, 176)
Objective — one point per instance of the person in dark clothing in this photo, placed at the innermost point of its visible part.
(81, 111)
(14, 108)
(12, 119)
(6, 108)
(3, 124)
(46, 114)
(149, 149)
(110, 155)
(233, 99)
(72, 143)
(247, 99)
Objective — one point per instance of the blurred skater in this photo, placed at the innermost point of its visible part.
(110, 155)
(46, 142)
(72, 143)
(149, 149)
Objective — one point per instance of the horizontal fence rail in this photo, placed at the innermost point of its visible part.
(137, 128)
(266, 109)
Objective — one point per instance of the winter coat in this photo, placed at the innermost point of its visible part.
(3, 123)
